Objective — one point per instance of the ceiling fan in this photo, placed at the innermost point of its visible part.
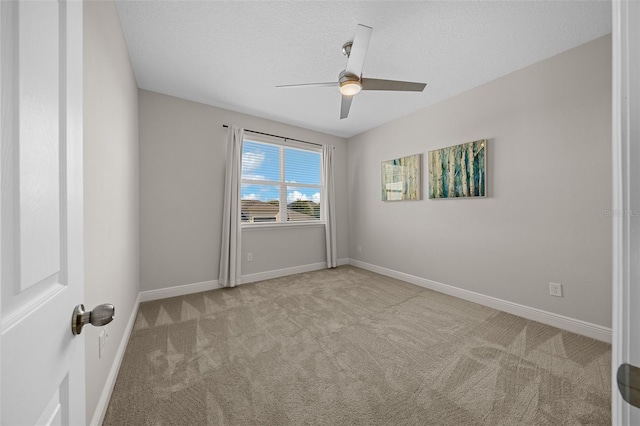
(351, 82)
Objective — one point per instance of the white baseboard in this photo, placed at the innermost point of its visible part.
(103, 402)
(179, 290)
(584, 328)
(277, 273)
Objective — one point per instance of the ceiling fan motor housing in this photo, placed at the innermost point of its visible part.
(349, 84)
(343, 77)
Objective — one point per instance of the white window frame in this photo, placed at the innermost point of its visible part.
(282, 144)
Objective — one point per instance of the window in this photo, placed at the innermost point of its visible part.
(280, 183)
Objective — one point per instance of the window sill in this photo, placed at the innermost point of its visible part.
(263, 226)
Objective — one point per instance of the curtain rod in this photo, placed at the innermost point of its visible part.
(277, 136)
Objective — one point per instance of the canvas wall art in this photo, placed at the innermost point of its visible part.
(401, 178)
(459, 171)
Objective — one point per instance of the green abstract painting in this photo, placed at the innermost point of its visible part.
(401, 178)
(459, 171)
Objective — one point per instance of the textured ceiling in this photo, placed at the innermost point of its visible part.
(232, 54)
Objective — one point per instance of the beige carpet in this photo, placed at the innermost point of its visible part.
(350, 347)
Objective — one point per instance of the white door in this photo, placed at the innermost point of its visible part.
(41, 362)
(626, 202)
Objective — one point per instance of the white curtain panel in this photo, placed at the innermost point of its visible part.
(230, 253)
(329, 206)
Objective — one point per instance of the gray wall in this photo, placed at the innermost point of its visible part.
(182, 158)
(110, 186)
(549, 172)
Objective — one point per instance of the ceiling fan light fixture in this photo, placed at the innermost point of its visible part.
(350, 87)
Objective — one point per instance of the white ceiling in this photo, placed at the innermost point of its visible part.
(232, 54)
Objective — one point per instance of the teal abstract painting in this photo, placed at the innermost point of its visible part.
(401, 178)
(459, 171)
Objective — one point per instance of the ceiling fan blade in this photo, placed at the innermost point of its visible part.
(345, 106)
(358, 50)
(331, 84)
(400, 86)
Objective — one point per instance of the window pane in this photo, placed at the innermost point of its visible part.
(301, 166)
(303, 204)
(260, 161)
(260, 203)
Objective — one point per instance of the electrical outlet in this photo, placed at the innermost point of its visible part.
(249, 257)
(555, 289)
(102, 344)
(359, 249)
